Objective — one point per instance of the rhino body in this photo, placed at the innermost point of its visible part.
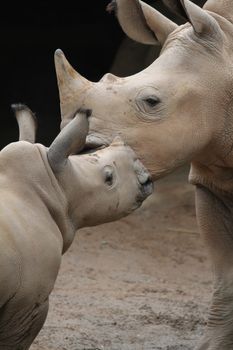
(46, 195)
(177, 110)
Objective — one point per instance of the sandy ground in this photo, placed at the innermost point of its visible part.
(142, 283)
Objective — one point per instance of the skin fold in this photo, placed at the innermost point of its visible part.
(178, 110)
(47, 194)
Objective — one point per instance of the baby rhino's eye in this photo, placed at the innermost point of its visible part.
(109, 178)
(109, 175)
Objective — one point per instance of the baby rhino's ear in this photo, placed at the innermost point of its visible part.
(71, 140)
(118, 141)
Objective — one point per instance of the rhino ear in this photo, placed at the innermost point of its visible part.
(142, 22)
(202, 22)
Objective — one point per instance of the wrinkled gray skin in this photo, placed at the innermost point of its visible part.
(46, 195)
(179, 109)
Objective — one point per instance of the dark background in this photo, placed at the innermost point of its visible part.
(30, 33)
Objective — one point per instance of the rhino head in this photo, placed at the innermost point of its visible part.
(177, 109)
(98, 187)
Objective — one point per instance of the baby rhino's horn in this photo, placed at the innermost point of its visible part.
(27, 122)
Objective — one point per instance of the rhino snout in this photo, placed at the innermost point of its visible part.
(144, 179)
(147, 186)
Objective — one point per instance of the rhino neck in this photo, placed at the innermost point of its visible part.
(214, 170)
(213, 166)
(25, 167)
(56, 202)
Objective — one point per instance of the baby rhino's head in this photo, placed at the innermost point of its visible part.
(102, 186)
(106, 185)
(99, 187)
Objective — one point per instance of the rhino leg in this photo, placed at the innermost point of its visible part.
(215, 216)
(19, 329)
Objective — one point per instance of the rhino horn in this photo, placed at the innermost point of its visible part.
(70, 140)
(202, 22)
(141, 22)
(27, 122)
(70, 84)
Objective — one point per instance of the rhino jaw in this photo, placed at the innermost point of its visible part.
(94, 141)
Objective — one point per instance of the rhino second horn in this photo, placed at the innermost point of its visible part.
(71, 140)
(70, 84)
(27, 122)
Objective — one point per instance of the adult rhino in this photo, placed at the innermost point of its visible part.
(179, 109)
(46, 195)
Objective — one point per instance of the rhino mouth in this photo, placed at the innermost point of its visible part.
(94, 142)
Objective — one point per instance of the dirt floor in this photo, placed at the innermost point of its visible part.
(142, 283)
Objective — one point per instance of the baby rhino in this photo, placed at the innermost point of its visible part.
(47, 194)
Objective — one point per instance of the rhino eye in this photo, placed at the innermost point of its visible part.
(148, 103)
(109, 179)
(108, 176)
(151, 101)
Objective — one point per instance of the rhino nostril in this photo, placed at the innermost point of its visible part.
(147, 186)
(147, 179)
(144, 177)
(86, 111)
